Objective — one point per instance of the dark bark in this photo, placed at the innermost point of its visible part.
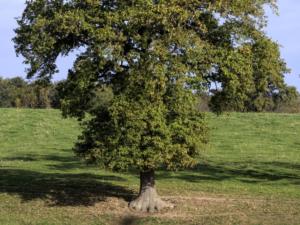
(147, 179)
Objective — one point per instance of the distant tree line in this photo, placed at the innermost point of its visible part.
(286, 100)
(19, 93)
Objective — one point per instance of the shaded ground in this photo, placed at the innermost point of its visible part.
(61, 189)
(258, 172)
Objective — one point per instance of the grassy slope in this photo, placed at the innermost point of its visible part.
(250, 174)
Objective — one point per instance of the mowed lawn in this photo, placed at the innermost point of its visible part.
(249, 174)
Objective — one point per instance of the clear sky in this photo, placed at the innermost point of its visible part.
(285, 29)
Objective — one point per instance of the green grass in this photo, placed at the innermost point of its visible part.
(250, 174)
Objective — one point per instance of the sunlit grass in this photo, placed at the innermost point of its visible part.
(250, 156)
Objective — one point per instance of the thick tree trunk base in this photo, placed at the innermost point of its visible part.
(149, 201)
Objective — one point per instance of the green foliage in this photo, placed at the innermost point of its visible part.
(288, 101)
(154, 56)
(4, 93)
(252, 78)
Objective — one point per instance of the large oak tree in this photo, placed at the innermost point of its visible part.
(153, 56)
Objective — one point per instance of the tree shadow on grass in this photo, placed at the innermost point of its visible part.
(64, 163)
(59, 189)
(57, 162)
(129, 220)
(27, 158)
(257, 172)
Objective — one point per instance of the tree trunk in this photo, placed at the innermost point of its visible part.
(148, 199)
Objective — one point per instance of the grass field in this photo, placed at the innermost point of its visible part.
(250, 174)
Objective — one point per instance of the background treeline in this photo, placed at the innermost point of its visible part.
(20, 93)
(286, 100)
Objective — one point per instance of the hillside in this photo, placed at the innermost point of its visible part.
(249, 174)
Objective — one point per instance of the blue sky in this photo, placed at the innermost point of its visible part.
(285, 29)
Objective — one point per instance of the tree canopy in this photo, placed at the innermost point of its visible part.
(154, 56)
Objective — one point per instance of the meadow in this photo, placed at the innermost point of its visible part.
(249, 174)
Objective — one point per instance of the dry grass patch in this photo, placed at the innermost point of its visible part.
(203, 210)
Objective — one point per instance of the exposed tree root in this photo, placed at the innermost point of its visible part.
(149, 201)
